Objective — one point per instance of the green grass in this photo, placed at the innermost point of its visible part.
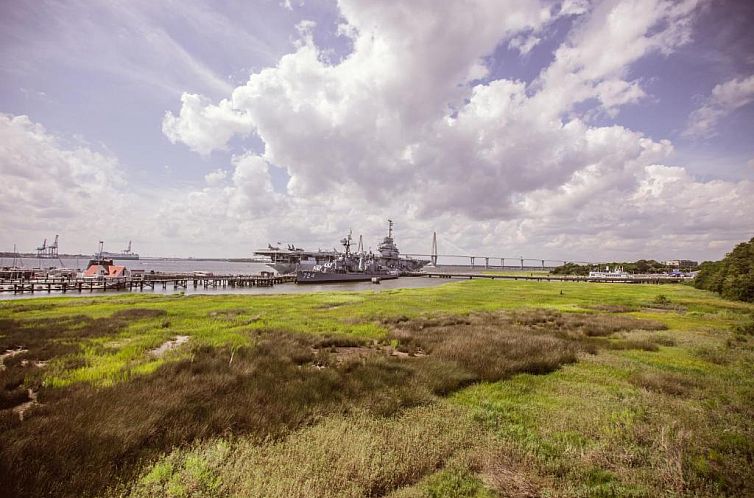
(223, 320)
(509, 388)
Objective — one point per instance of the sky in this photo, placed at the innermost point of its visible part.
(568, 130)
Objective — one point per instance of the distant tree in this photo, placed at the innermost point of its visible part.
(733, 277)
(642, 266)
(572, 269)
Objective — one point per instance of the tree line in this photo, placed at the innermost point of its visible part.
(733, 277)
(640, 266)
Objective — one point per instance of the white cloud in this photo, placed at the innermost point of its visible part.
(524, 44)
(403, 125)
(215, 178)
(725, 99)
(594, 60)
(202, 126)
(51, 185)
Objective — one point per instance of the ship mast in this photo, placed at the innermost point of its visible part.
(347, 243)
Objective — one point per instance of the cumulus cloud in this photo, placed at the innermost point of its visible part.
(594, 60)
(409, 121)
(52, 185)
(215, 178)
(725, 99)
(43, 178)
(202, 126)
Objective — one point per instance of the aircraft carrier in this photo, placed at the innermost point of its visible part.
(292, 258)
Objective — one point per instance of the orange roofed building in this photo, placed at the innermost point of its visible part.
(105, 269)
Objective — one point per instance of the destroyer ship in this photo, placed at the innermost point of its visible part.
(293, 258)
(347, 267)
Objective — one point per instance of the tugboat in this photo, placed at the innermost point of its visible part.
(347, 267)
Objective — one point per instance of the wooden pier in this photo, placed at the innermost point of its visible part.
(648, 279)
(139, 283)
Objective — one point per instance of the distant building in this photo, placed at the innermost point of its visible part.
(682, 263)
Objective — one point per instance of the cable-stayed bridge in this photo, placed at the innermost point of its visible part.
(487, 261)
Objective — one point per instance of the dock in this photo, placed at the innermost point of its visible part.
(177, 281)
(639, 279)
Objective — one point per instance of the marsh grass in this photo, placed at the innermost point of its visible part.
(264, 382)
(663, 382)
(93, 434)
(280, 382)
(352, 456)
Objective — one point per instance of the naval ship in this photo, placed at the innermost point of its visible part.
(293, 258)
(347, 267)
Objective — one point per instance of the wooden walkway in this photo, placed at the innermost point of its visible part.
(148, 281)
(554, 278)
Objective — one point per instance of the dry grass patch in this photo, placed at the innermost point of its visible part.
(354, 456)
(494, 346)
(663, 382)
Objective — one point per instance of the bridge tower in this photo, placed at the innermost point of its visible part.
(434, 249)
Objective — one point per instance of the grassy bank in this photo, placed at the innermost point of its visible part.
(479, 388)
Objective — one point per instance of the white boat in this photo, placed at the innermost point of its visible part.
(616, 272)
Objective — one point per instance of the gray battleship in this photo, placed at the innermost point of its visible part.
(294, 258)
(347, 267)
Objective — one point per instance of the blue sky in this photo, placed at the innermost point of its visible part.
(565, 130)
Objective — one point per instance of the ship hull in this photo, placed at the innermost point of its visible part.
(122, 257)
(283, 268)
(318, 277)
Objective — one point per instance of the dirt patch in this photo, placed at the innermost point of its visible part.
(10, 353)
(138, 314)
(169, 346)
(35, 363)
(614, 308)
(21, 409)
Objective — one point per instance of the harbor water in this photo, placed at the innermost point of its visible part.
(208, 266)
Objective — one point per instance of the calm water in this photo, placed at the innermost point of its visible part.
(163, 265)
(219, 267)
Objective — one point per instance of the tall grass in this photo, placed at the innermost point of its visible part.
(353, 456)
(284, 381)
(358, 382)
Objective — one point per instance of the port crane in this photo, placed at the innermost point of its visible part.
(50, 251)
